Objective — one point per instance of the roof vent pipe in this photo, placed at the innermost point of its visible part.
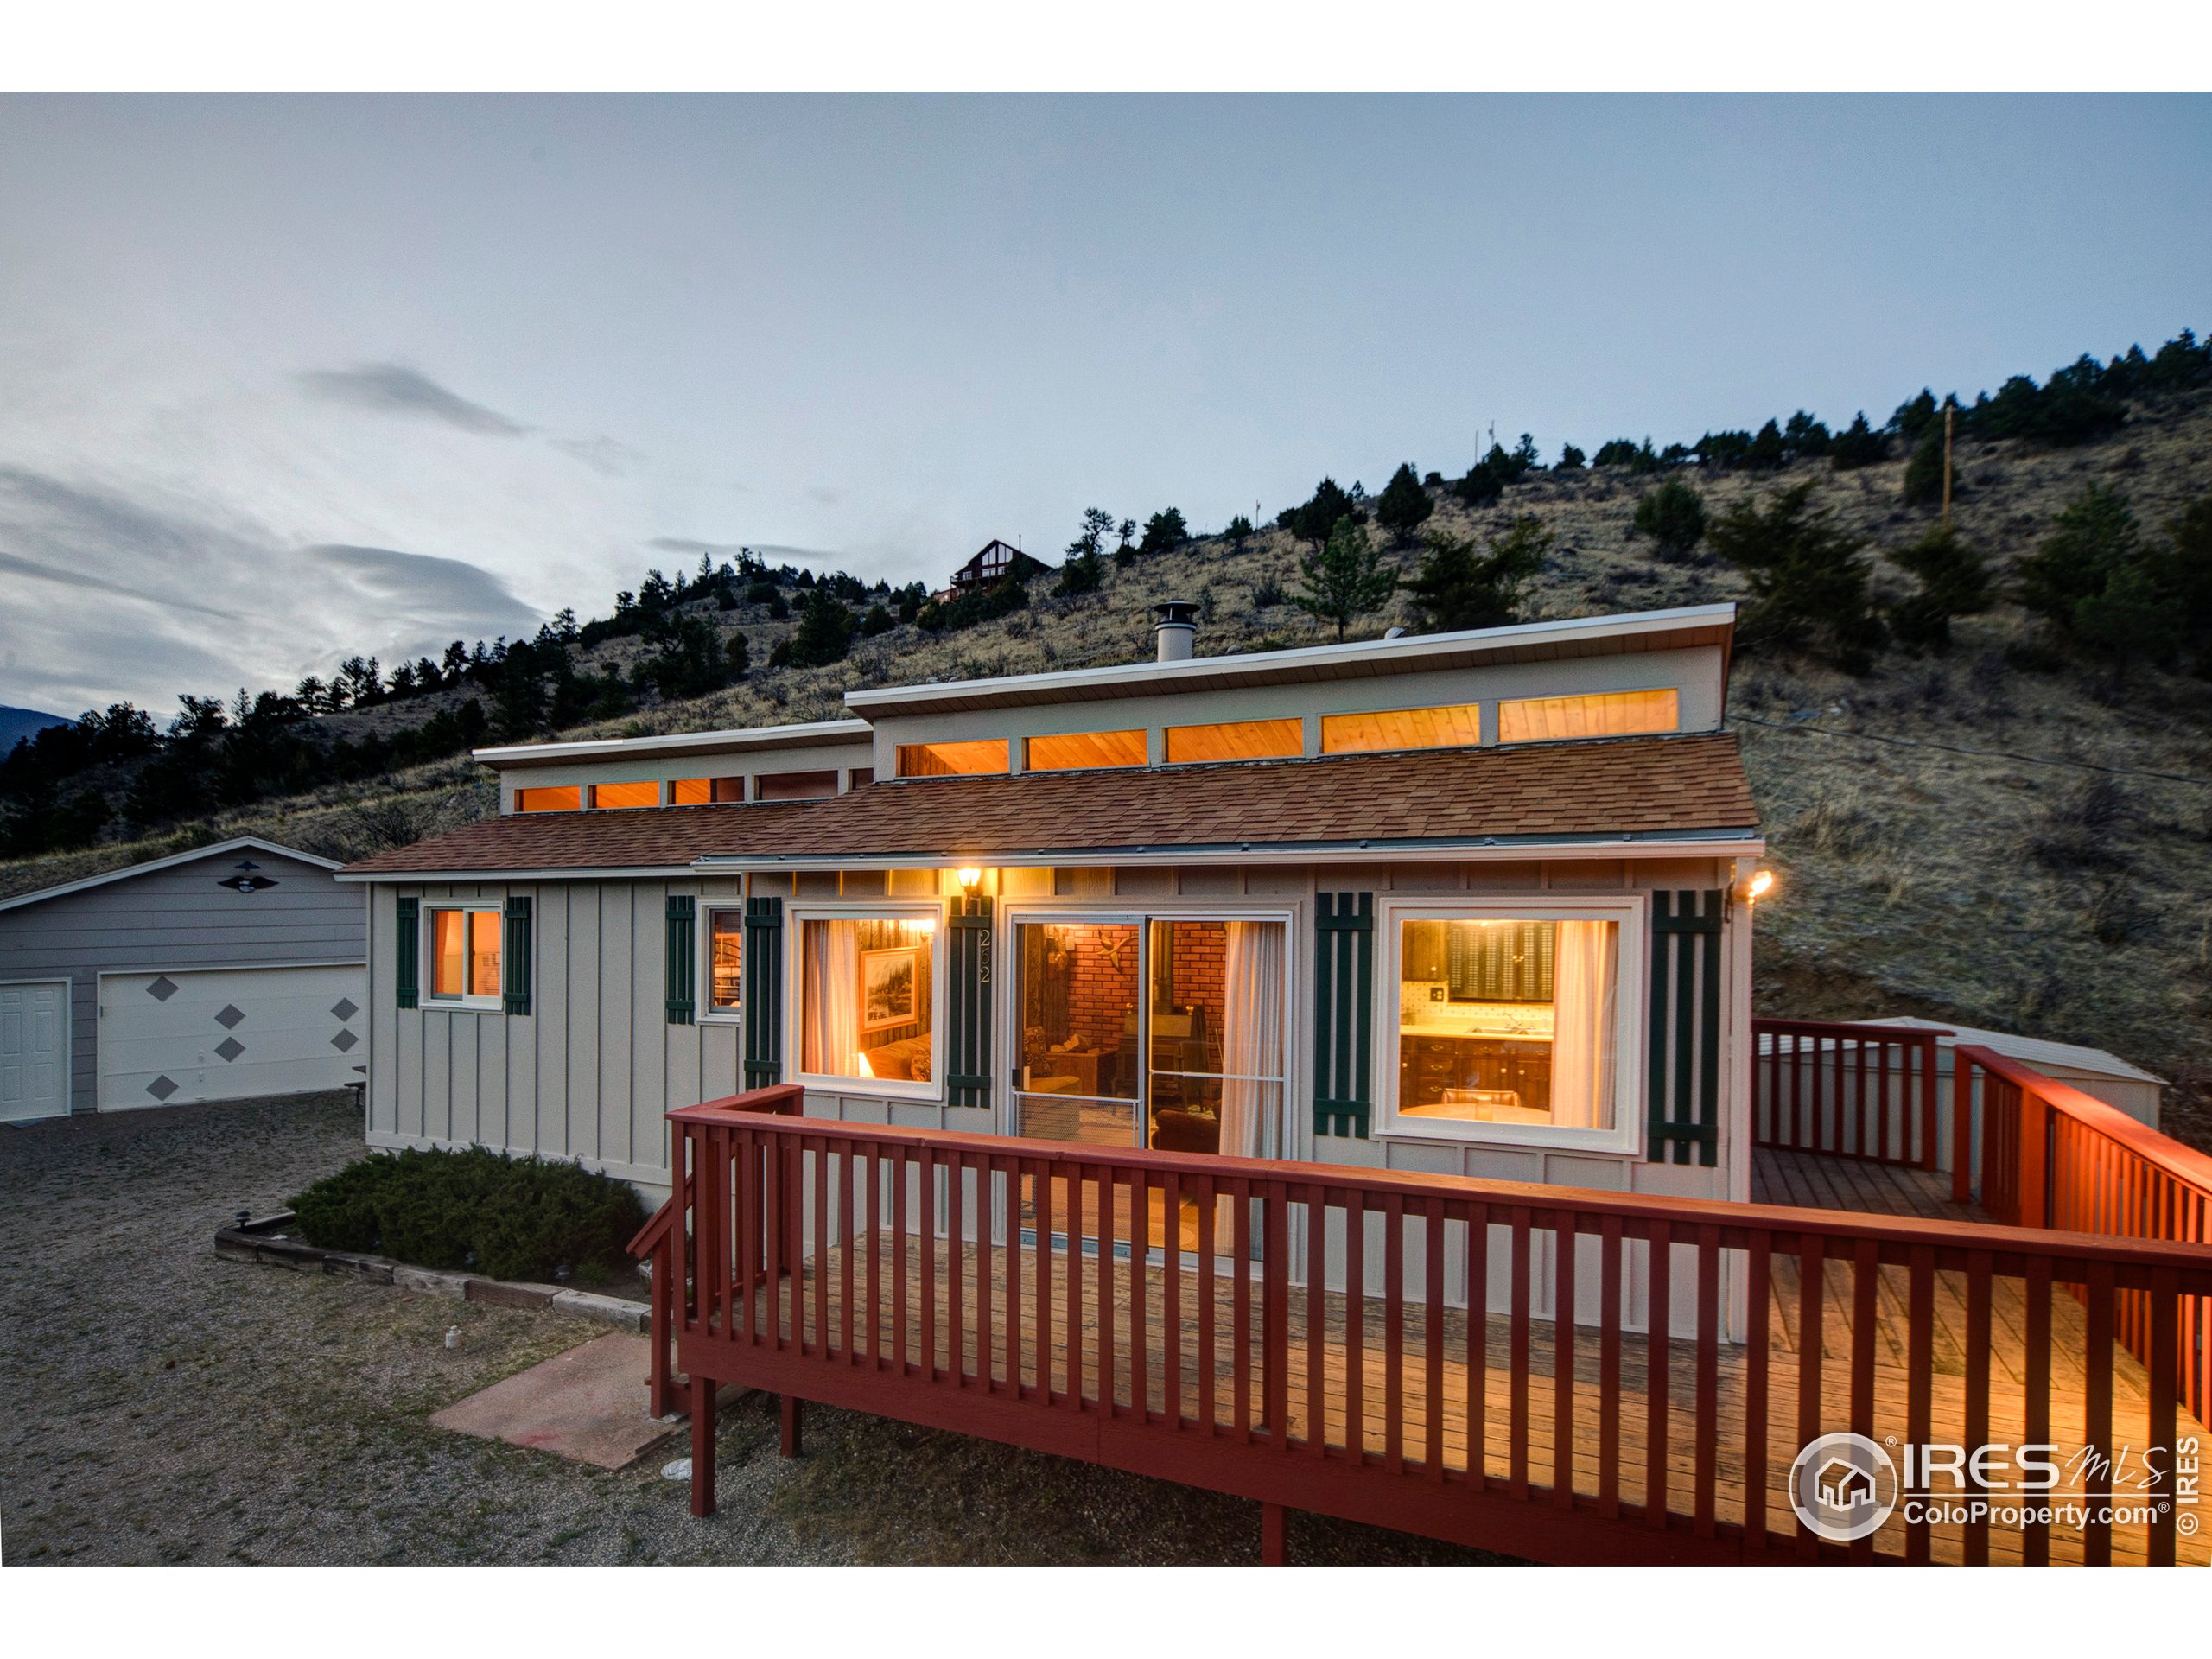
(1175, 626)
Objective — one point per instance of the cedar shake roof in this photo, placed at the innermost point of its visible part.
(1626, 786)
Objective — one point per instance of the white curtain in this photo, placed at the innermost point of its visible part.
(1251, 1039)
(829, 991)
(1583, 987)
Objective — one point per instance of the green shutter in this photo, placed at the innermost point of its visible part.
(514, 963)
(1682, 1104)
(968, 1005)
(407, 951)
(1343, 1013)
(764, 992)
(683, 957)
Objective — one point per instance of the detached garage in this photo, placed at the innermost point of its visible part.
(230, 970)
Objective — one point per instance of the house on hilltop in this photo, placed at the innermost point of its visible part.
(994, 563)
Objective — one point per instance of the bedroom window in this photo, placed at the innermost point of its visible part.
(1611, 713)
(725, 933)
(1454, 726)
(464, 943)
(1513, 1025)
(865, 1001)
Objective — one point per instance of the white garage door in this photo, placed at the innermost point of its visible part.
(34, 1048)
(170, 1039)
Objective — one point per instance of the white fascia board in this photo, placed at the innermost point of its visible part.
(735, 740)
(421, 878)
(1406, 655)
(214, 850)
(1690, 844)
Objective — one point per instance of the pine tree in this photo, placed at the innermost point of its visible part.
(826, 631)
(1808, 578)
(1342, 582)
(1459, 586)
(1317, 520)
(1403, 506)
(1954, 579)
(1673, 516)
(1164, 531)
(1858, 445)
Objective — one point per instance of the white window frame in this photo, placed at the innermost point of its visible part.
(1142, 912)
(796, 915)
(706, 1013)
(1630, 911)
(467, 1002)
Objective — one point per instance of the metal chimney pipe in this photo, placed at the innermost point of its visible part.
(1175, 626)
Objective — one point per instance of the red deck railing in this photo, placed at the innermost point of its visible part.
(926, 1275)
(1846, 1090)
(2052, 1156)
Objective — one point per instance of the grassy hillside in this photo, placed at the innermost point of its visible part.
(1958, 835)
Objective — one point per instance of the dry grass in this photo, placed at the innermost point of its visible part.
(1967, 885)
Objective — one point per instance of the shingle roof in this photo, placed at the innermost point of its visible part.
(1627, 786)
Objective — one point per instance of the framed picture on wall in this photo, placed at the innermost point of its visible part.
(888, 979)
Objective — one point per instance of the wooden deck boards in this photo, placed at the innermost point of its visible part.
(1169, 1337)
(1353, 1385)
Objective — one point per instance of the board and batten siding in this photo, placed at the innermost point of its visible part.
(177, 918)
(589, 1074)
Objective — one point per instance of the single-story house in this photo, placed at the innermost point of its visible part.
(1473, 903)
(232, 969)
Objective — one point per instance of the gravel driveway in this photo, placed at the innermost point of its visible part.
(166, 1406)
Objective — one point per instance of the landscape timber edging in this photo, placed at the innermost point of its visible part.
(261, 1240)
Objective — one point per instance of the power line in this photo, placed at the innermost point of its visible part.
(1960, 748)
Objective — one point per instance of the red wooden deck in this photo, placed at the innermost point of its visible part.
(851, 1268)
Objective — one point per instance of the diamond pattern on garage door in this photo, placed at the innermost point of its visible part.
(162, 1088)
(161, 990)
(229, 1018)
(229, 1048)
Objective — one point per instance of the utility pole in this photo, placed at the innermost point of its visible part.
(1950, 408)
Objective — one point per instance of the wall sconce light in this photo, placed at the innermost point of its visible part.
(970, 878)
(1752, 888)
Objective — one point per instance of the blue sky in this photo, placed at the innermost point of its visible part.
(289, 378)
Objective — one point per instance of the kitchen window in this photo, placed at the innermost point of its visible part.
(464, 945)
(1514, 1022)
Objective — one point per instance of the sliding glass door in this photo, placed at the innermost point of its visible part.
(1148, 1032)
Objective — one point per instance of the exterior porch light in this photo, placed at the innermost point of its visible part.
(1758, 886)
(969, 877)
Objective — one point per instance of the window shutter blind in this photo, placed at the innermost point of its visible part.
(514, 963)
(682, 960)
(968, 997)
(764, 992)
(1682, 1104)
(407, 951)
(1343, 1013)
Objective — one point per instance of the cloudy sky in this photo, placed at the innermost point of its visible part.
(282, 380)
